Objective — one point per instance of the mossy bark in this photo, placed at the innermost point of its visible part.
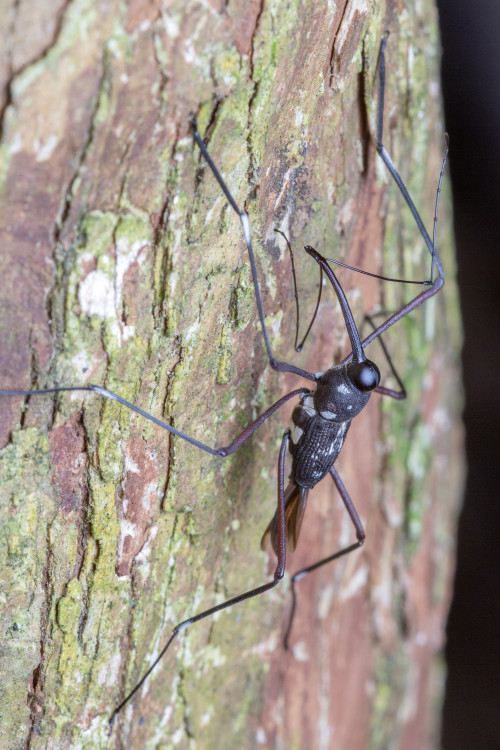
(123, 265)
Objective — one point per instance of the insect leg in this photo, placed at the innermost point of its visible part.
(278, 575)
(223, 451)
(359, 533)
(399, 394)
(381, 150)
(243, 216)
(438, 282)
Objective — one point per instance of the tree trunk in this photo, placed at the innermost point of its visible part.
(123, 265)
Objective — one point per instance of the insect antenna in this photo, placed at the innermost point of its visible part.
(438, 193)
(358, 354)
(378, 276)
(398, 395)
(298, 347)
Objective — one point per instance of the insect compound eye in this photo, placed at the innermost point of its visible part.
(364, 375)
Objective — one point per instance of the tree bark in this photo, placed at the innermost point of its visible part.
(123, 265)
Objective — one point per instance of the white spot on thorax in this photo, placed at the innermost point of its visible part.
(328, 414)
(295, 433)
(308, 405)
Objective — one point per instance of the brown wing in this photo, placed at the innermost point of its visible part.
(295, 506)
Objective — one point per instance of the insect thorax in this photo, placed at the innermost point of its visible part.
(336, 397)
(319, 425)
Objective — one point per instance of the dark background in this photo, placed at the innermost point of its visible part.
(471, 88)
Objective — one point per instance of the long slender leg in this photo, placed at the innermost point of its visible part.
(226, 450)
(359, 533)
(401, 393)
(381, 150)
(436, 261)
(243, 216)
(278, 575)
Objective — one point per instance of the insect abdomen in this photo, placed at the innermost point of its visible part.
(316, 449)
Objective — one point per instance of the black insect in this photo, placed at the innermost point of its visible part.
(321, 420)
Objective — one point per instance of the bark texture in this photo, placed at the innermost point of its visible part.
(122, 264)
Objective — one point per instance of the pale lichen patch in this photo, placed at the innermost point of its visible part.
(45, 150)
(355, 584)
(300, 651)
(96, 296)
